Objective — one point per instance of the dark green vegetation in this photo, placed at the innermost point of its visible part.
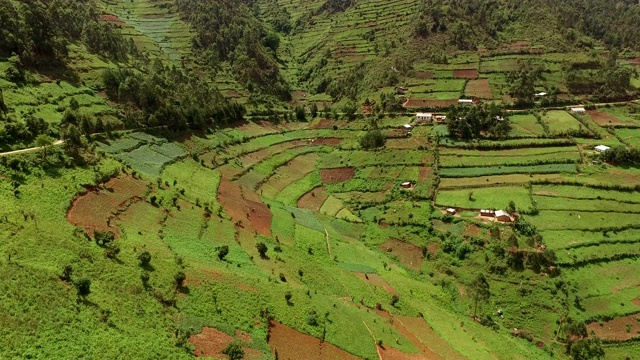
(231, 168)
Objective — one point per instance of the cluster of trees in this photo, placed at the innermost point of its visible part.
(38, 32)
(228, 31)
(522, 84)
(475, 121)
(373, 139)
(604, 81)
(622, 155)
(168, 96)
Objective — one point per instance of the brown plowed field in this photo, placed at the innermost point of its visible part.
(616, 329)
(330, 176)
(253, 214)
(211, 342)
(263, 154)
(112, 19)
(92, 210)
(604, 119)
(293, 345)
(325, 141)
(479, 88)
(376, 280)
(465, 74)
(313, 200)
(424, 75)
(428, 338)
(408, 254)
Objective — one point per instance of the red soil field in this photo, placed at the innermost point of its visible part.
(616, 329)
(92, 210)
(465, 74)
(479, 88)
(293, 345)
(330, 176)
(425, 103)
(604, 119)
(252, 213)
(211, 342)
(313, 200)
(408, 254)
(112, 19)
(376, 280)
(472, 230)
(325, 141)
(424, 75)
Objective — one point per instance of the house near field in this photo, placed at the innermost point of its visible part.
(465, 102)
(602, 148)
(451, 211)
(407, 127)
(578, 110)
(503, 216)
(440, 118)
(540, 94)
(406, 185)
(423, 117)
(487, 213)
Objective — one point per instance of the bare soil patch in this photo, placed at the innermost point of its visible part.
(432, 248)
(616, 329)
(211, 342)
(293, 345)
(112, 19)
(94, 209)
(324, 124)
(465, 74)
(249, 214)
(604, 119)
(479, 88)
(424, 75)
(313, 200)
(376, 280)
(408, 254)
(636, 301)
(330, 176)
(325, 141)
(472, 230)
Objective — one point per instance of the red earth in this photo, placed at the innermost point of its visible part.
(313, 200)
(616, 329)
(408, 254)
(290, 344)
(330, 176)
(325, 141)
(376, 280)
(93, 209)
(604, 119)
(465, 74)
(252, 213)
(112, 19)
(211, 342)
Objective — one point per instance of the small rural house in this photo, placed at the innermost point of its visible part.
(407, 127)
(451, 211)
(440, 118)
(503, 216)
(421, 117)
(541, 94)
(487, 213)
(406, 185)
(602, 148)
(578, 110)
(465, 102)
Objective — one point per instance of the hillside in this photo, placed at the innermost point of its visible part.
(296, 179)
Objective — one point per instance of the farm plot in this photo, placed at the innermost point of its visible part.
(359, 158)
(504, 170)
(92, 210)
(561, 203)
(485, 198)
(603, 118)
(525, 126)
(291, 344)
(478, 88)
(481, 181)
(618, 329)
(465, 74)
(409, 255)
(630, 136)
(287, 174)
(525, 156)
(629, 114)
(581, 220)
(584, 192)
(560, 122)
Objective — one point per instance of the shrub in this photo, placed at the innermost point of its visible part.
(234, 351)
(144, 258)
(103, 237)
(83, 286)
(222, 252)
(179, 278)
(112, 251)
(262, 249)
(373, 139)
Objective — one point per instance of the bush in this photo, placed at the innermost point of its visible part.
(222, 252)
(112, 251)
(144, 258)
(180, 277)
(83, 286)
(234, 351)
(262, 249)
(103, 237)
(373, 139)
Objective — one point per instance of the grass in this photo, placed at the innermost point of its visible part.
(560, 121)
(525, 126)
(503, 170)
(485, 198)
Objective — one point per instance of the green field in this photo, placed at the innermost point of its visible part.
(560, 122)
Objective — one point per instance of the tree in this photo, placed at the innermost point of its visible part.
(222, 252)
(145, 278)
(3, 105)
(67, 271)
(83, 287)
(587, 349)
(103, 237)
(44, 141)
(314, 110)
(112, 251)
(180, 277)
(301, 114)
(479, 290)
(372, 139)
(349, 109)
(74, 104)
(511, 208)
(144, 258)
(262, 249)
(234, 351)
(288, 296)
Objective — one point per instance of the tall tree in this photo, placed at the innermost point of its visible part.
(480, 291)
